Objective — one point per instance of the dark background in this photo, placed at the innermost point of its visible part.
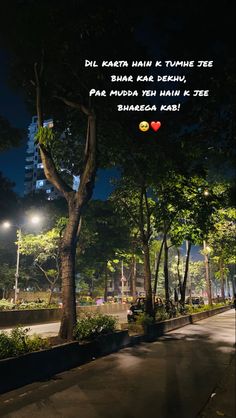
(169, 30)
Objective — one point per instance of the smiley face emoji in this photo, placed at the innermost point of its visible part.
(144, 126)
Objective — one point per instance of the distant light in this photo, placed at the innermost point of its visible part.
(6, 224)
(206, 192)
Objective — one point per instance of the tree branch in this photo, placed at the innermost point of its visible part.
(52, 174)
(130, 213)
(75, 105)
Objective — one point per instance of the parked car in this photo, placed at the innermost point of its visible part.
(196, 300)
(135, 309)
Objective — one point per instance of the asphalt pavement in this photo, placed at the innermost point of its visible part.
(174, 377)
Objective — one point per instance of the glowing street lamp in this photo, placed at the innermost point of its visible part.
(206, 192)
(35, 219)
(6, 224)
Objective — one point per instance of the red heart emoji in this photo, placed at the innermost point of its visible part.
(155, 126)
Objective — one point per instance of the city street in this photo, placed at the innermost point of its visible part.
(51, 329)
(173, 377)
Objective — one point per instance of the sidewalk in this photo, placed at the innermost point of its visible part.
(222, 400)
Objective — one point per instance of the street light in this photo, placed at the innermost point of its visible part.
(35, 219)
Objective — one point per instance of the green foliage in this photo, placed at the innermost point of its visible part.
(195, 309)
(44, 248)
(6, 305)
(222, 236)
(144, 320)
(35, 305)
(19, 342)
(91, 326)
(45, 136)
(161, 314)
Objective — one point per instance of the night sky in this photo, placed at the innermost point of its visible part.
(12, 162)
(12, 107)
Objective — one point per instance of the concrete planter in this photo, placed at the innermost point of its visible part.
(156, 330)
(29, 317)
(22, 370)
(152, 332)
(42, 316)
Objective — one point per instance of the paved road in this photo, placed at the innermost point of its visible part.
(51, 329)
(171, 378)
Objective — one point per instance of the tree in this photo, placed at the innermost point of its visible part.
(44, 248)
(221, 241)
(132, 200)
(104, 234)
(193, 220)
(49, 65)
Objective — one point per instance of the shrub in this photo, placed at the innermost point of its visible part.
(18, 342)
(161, 314)
(90, 326)
(6, 305)
(144, 320)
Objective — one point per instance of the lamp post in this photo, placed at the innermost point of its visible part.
(34, 220)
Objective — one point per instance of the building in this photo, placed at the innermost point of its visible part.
(35, 180)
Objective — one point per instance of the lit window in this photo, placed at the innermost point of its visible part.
(39, 184)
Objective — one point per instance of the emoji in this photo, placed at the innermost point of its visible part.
(144, 126)
(155, 125)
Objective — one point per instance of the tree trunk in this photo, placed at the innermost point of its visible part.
(105, 283)
(183, 287)
(147, 280)
(178, 270)
(133, 278)
(67, 258)
(222, 279)
(50, 294)
(166, 271)
(157, 268)
(208, 280)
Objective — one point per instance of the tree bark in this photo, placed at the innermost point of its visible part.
(178, 270)
(166, 271)
(184, 284)
(133, 278)
(157, 267)
(208, 280)
(67, 257)
(222, 279)
(105, 283)
(148, 280)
